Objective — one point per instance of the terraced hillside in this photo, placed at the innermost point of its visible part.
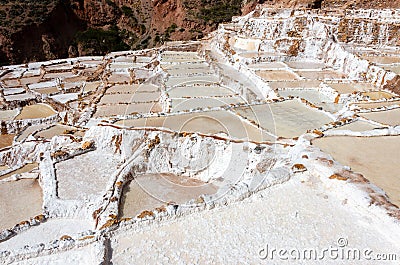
(280, 129)
(70, 28)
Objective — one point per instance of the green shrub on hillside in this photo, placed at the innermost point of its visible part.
(127, 11)
(220, 11)
(101, 41)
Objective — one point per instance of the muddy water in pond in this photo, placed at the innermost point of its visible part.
(276, 75)
(375, 95)
(58, 129)
(26, 168)
(6, 140)
(149, 191)
(47, 90)
(348, 88)
(375, 157)
(19, 200)
(91, 86)
(35, 112)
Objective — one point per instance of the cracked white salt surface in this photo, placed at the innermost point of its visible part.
(291, 215)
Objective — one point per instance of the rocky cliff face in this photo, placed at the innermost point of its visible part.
(86, 27)
(69, 28)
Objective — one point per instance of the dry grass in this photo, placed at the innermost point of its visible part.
(119, 184)
(199, 200)
(109, 223)
(59, 153)
(126, 219)
(40, 218)
(65, 237)
(118, 141)
(86, 237)
(326, 161)
(338, 177)
(337, 99)
(87, 145)
(96, 213)
(145, 214)
(153, 142)
(24, 223)
(161, 209)
(298, 168)
(318, 132)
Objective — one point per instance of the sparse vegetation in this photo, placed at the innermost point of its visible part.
(127, 11)
(338, 177)
(219, 11)
(145, 214)
(17, 13)
(99, 41)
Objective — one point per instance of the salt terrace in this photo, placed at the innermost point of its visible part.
(281, 127)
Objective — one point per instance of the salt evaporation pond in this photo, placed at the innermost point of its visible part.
(194, 103)
(6, 140)
(348, 88)
(198, 91)
(19, 201)
(57, 129)
(198, 79)
(148, 191)
(357, 126)
(276, 75)
(85, 175)
(388, 117)
(210, 122)
(375, 157)
(288, 119)
(126, 109)
(46, 232)
(321, 75)
(314, 96)
(373, 105)
(25, 168)
(305, 65)
(376, 95)
(36, 111)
